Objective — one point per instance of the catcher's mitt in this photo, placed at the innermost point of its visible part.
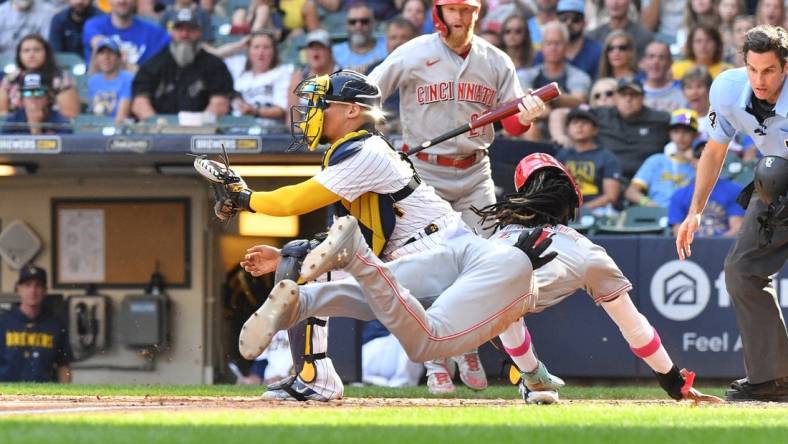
(230, 191)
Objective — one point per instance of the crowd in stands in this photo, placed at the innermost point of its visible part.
(623, 65)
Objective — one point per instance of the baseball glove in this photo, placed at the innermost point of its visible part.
(230, 191)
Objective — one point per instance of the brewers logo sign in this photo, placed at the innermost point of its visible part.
(233, 144)
(30, 144)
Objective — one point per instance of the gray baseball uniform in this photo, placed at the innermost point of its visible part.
(376, 168)
(440, 90)
(477, 288)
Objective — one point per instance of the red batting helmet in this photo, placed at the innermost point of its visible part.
(437, 19)
(536, 161)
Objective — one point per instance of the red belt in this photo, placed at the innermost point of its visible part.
(448, 161)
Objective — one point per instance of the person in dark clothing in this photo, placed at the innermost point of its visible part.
(182, 76)
(36, 115)
(65, 31)
(629, 129)
(34, 344)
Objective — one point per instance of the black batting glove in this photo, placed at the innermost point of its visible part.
(529, 243)
(672, 382)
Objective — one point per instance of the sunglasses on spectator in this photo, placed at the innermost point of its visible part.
(513, 31)
(359, 21)
(34, 93)
(570, 17)
(622, 48)
(599, 95)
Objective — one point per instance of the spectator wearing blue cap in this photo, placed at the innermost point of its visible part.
(581, 51)
(65, 31)
(109, 87)
(36, 115)
(34, 344)
(722, 216)
(203, 16)
(662, 174)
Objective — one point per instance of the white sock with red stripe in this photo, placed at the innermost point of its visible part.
(516, 341)
(642, 338)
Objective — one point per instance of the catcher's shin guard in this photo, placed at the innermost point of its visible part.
(308, 339)
(308, 343)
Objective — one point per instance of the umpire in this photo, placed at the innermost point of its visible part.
(751, 100)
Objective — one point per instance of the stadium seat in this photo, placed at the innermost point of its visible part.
(170, 124)
(8, 64)
(585, 222)
(238, 125)
(71, 63)
(223, 39)
(220, 25)
(637, 220)
(334, 21)
(93, 124)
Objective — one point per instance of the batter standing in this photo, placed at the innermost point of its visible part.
(753, 100)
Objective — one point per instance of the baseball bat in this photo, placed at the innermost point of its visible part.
(546, 93)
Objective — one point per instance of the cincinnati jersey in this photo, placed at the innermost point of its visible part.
(580, 264)
(377, 168)
(439, 90)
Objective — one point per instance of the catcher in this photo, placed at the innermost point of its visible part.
(364, 176)
(475, 297)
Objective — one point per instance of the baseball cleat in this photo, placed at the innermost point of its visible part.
(471, 371)
(541, 380)
(293, 389)
(544, 397)
(336, 251)
(440, 383)
(279, 312)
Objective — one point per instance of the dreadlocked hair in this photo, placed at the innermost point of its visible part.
(548, 198)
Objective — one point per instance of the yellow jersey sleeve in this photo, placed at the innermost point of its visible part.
(293, 200)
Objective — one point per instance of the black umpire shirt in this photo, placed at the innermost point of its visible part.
(172, 89)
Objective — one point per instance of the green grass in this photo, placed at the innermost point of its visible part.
(585, 423)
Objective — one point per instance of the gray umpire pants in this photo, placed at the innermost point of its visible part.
(749, 269)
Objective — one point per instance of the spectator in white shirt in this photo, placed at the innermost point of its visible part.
(263, 85)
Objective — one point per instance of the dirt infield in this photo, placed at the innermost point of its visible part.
(11, 405)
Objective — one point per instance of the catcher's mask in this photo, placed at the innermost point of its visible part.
(535, 162)
(771, 178)
(317, 94)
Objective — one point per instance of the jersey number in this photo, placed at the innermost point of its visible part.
(477, 131)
